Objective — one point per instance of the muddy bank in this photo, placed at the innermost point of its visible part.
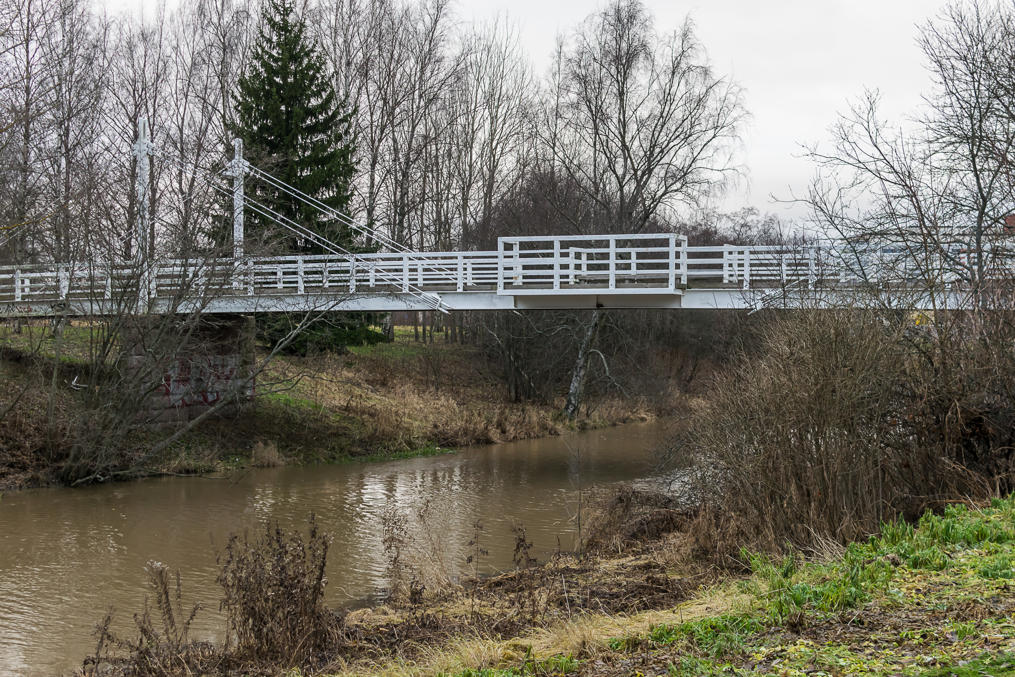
(425, 609)
(926, 599)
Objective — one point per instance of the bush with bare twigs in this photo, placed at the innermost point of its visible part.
(161, 648)
(846, 418)
(273, 594)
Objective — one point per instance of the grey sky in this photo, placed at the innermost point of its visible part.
(800, 62)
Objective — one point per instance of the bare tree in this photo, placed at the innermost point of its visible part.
(75, 50)
(25, 100)
(644, 124)
(939, 192)
(494, 107)
(640, 126)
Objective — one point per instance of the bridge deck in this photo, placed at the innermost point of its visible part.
(634, 271)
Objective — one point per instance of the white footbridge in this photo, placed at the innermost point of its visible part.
(659, 270)
(603, 271)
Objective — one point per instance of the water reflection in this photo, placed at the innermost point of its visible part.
(68, 555)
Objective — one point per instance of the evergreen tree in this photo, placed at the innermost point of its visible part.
(293, 127)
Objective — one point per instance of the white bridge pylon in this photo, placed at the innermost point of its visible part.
(658, 270)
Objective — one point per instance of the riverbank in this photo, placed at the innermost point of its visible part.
(390, 400)
(927, 599)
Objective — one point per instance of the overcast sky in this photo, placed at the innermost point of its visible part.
(800, 62)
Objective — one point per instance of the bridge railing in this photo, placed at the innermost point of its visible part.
(64, 282)
(578, 264)
(382, 272)
(561, 265)
(764, 266)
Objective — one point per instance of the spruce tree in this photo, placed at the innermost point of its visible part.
(294, 127)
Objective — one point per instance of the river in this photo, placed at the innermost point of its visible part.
(68, 555)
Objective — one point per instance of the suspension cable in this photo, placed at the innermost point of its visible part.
(339, 216)
(430, 299)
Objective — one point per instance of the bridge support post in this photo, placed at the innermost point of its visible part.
(142, 227)
(237, 169)
(215, 367)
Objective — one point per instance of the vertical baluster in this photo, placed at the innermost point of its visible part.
(683, 261)
(672, 281)
(461, 272)
(556, 264)
(500, 265)
(405, 272)
(352, 274)
(613, 263)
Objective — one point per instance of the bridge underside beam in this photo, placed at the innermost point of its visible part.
(708, 299)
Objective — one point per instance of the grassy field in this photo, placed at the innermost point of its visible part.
(932, 599)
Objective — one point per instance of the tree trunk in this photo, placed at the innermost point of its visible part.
(574, 393)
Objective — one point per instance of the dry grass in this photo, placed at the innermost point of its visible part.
(583, 635)
(406, 395)
(387, 399)
(265, 455)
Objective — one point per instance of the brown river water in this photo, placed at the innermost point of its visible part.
(68, 555)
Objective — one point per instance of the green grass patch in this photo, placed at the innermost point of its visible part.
(784, 587)
(959, 561)
(994, 666)
(286, 399)
(728, 634)
(1001, 566)
(427, 450)
(531, 667)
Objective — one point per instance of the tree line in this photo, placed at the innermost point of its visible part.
(448, 137)
(453, 129)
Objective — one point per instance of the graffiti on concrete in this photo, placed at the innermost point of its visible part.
(203, 381)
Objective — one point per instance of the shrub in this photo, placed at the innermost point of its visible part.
(162, 647)
(332, 332)
(842, 420)
(274, 594)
